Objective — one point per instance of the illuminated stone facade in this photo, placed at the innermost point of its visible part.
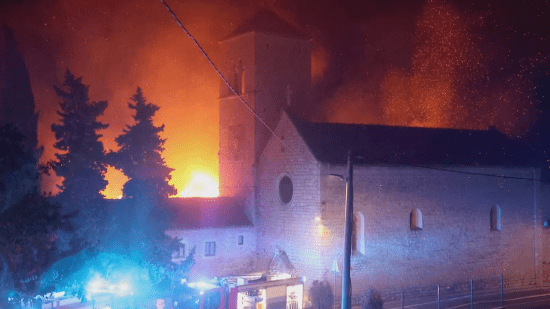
(267, 69)
(455, 242)
(218, 251)
(448, 190)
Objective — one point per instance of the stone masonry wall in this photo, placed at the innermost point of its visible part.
(230, 258)
(455, 243)
(291, 227)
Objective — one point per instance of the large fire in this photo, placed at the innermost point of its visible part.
(201, 185)
(116, 48)
(443, 81)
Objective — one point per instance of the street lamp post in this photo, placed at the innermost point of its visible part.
(346, 278)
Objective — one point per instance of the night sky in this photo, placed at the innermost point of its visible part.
(426, 63)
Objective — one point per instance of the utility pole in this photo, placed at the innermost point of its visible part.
(346, 278)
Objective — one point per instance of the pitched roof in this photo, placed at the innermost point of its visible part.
(266, 21)
(394, 145)
(199, 213)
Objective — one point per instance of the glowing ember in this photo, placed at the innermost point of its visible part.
(201, 185)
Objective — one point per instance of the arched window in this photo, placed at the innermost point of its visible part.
(495, 218)
(358, 233)
(236, 142)
(236, 81)
(416, 219)
(243, 80)
(354, 233)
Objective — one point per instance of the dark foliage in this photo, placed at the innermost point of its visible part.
(82, 161)
(28, 231)
(321, 295)
(13, 153)
(28, 221)
(16, 98)
(18, 166)
(140, 154)
(372, 300)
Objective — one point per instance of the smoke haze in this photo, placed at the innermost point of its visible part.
(425, 63)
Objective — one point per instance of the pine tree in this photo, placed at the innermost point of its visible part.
(140, 154)
(82, 163)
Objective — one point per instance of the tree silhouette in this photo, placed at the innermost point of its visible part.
(28, 232)
(82, 163)
(140, 154)
(29, 222)
(18, 166)
(16, 99)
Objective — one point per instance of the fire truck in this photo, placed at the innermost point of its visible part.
(241, 292)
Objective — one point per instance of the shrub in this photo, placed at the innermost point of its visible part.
(372, 300)
(321, 295)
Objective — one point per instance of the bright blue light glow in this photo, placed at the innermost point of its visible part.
(201, 285)
(111, 273)
(99, 285)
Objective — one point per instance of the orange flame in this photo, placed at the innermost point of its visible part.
(201, 185)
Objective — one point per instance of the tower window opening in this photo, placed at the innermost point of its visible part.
(236, 142)
(236, 82)
(238, 79)
(243, 81)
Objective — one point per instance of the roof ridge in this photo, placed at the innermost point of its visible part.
(413, 146)
(268, 22)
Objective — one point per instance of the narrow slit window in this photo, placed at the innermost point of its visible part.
(358, 234)
(236, 84)
(496, 217)
(243, 81)
(416, 219)
(354, 235)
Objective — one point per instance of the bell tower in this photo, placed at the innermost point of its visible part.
(267, 62)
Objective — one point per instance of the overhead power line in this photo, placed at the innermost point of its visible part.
(241, 99)
(225, 80)
(476, 174)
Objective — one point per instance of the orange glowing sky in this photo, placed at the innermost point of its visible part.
(425, 63)
(118, 47)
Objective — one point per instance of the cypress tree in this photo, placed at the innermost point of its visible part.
(82, 161)
(140, 154)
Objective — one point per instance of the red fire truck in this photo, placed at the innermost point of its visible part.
(242, 292)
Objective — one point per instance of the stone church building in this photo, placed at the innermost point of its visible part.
(430, 205)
